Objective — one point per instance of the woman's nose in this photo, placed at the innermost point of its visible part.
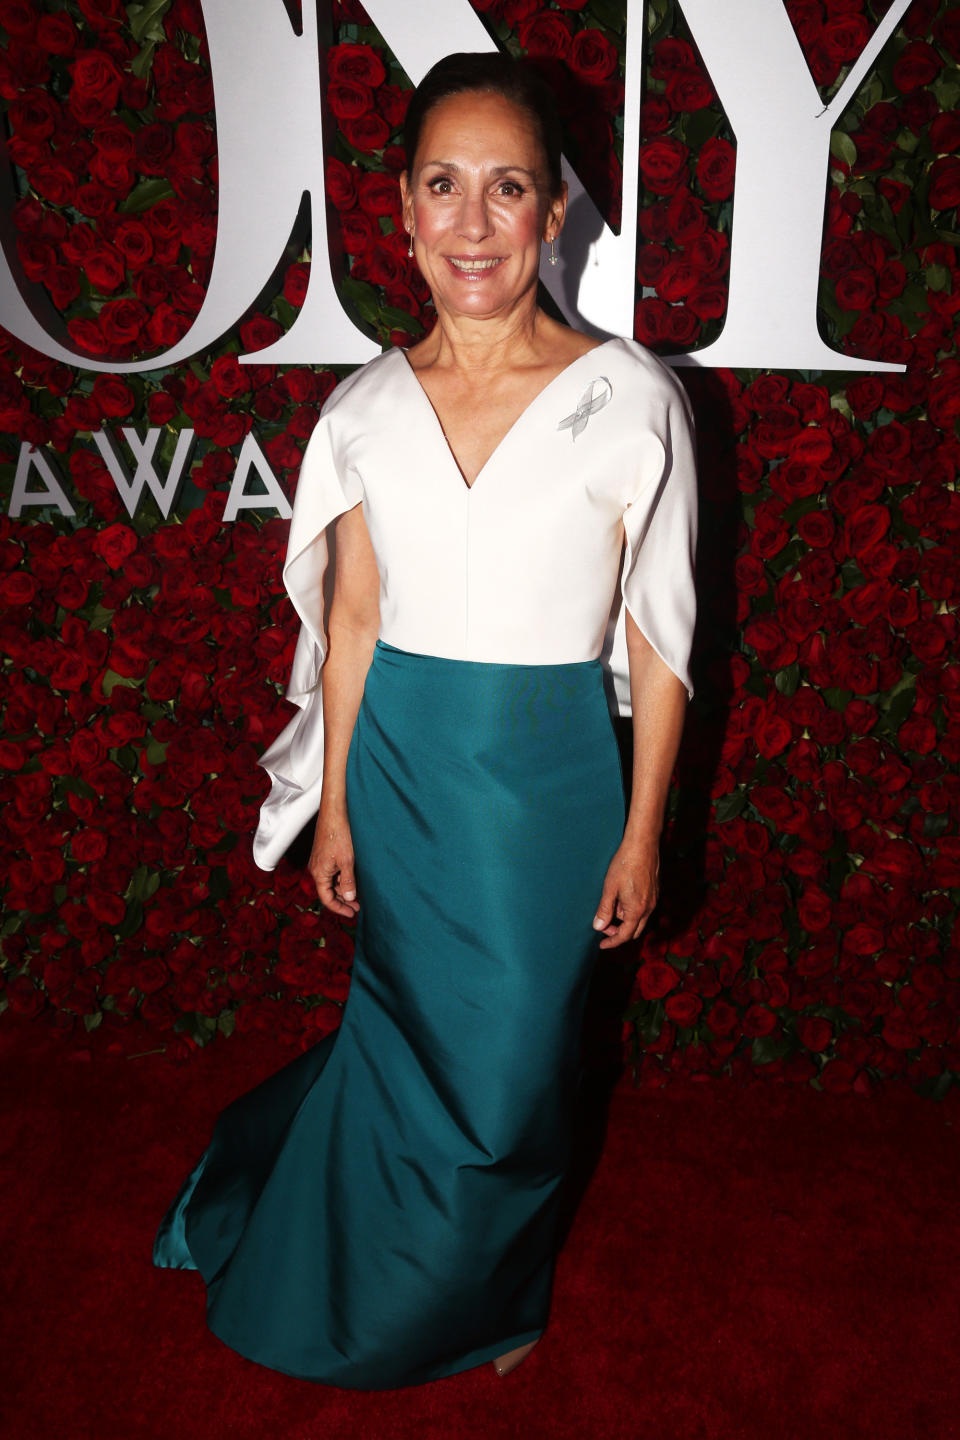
(474, 220)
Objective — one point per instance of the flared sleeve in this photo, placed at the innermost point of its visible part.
(657, 584)
(327, 488)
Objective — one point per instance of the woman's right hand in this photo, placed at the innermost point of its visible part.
(331, 864)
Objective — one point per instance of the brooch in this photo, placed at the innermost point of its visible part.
(596, 395)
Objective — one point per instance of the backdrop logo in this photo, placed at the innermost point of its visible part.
(270, 136)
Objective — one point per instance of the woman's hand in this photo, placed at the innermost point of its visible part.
(331, 864)
(629, 892)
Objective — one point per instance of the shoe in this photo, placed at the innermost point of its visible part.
(505, 1363)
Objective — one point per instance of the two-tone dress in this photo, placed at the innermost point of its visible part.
(382, 1211)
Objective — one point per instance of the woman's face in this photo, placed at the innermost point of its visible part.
(477, 201)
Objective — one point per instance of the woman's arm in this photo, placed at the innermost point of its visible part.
(659, 702)
(351, 634)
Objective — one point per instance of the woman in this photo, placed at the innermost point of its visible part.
(382, 1211)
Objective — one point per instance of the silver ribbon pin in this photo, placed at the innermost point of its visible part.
(596, 395)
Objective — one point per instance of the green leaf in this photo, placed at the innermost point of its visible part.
(142, 63)
(156, 751)
(226, 1022)
(843, 148)
(76, 786)
(729, 806)
(611, 14)
(803, 506)
(946, 88)
(131, 922)
(111, 678)
(147, 193)
(147, 16)
(788, 679)
(91, 1022)
(836, 698)
(769, 1047)
(101, 618)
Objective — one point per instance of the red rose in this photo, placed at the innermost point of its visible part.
(134, 242)
(592, 57)
(758, 1021)
(844, 37)
(23, 997)
(716, 164)
(34, 116)
(366, 132)
(814, 909)
(545, 36)
(899, 1031)
(663, 165)
(56, 34)
(295, 283)
(359, 64)
(258, 332)
(348, 100)
(772, 734)
(358, 233)
(96, 86)
(379, 195)
(114, 396)
(865, 527)
(945, 183)
(122, 321)
(392, 102)
(341, 183)
(688, 89)
(115, 544)
(657, 978)
(945, 133)
(684, 1009)
(916, 66)
(229, 377)
(153, 146)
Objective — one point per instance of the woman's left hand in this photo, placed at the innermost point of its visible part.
(629, 892)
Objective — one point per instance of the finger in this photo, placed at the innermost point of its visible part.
(347, 887)
(330, 899)
(606, 910)
(633, 919)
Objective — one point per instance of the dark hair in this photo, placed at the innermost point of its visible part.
(496, 74)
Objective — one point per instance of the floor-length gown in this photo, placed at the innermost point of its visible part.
(382, 1211)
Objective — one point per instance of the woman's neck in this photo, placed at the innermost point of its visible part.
(483, 346)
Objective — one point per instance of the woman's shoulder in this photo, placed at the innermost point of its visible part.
(356, 391)
(647, 385)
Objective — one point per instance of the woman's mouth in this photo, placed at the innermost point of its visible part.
(465, 266)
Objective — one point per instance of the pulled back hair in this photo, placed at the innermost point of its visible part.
(493, 73)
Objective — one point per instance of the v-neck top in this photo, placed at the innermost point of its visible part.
(586, 508)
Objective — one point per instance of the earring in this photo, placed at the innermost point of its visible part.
(410, 246)
(554, 259)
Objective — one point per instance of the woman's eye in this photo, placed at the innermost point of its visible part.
(510, 187)
(441, 186)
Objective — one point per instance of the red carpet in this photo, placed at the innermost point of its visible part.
(749, 1261)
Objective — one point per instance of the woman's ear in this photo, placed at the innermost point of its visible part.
(556, 211)
(406, 201)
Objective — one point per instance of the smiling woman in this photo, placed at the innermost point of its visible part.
(384, 1210)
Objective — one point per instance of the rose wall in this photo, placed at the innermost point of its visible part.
(807, 928)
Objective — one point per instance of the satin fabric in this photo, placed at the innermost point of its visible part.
(382, 1211)
(583, 511)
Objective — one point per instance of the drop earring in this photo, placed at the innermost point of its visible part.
(554, 258)
(410, 246)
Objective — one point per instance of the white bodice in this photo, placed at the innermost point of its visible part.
(594, 484)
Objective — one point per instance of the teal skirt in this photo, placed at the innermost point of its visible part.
(383, 1210)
